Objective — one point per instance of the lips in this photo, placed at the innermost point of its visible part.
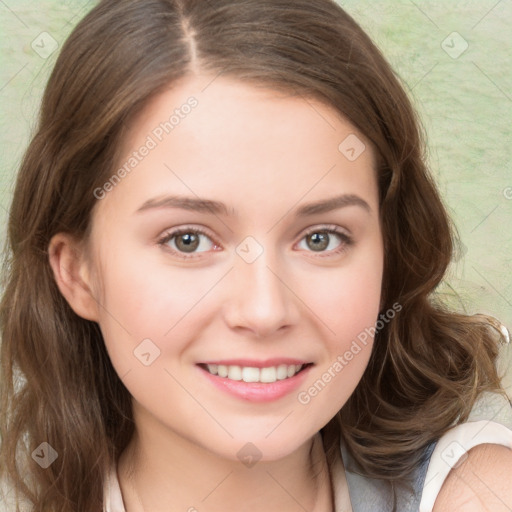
(253, 363)
(256, 381)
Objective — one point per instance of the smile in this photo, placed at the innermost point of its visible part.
(254, 381)
(266, 374)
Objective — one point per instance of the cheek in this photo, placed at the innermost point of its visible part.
(347, 299)
(347, 303)
(144, 300)
(351, 304)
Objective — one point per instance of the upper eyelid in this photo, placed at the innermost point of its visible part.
(332, 228)
(324, 227)
(172, 232)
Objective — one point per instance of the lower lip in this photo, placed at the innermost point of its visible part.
(257, 391)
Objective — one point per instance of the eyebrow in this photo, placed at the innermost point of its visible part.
(216, 207)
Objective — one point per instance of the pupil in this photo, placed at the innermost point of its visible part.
(320, 241)
(187, 242)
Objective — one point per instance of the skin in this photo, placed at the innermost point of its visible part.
(481, 483)
(263, 155)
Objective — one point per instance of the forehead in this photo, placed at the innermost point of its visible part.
(228, 105)
(218, 136)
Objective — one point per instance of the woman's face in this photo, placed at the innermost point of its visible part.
(243, 234)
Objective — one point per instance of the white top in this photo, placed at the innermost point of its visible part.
(489, 422)
(452, 447)
(448, 451)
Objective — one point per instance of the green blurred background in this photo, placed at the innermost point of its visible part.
(454, 58)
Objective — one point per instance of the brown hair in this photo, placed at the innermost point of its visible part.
(57, 384)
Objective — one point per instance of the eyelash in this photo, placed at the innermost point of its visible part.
(182, 231)
(346, 240)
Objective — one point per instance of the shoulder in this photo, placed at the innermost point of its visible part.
(471, 463)
(480, 482)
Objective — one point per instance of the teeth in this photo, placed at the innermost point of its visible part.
(249, 374)
(235, 373)
(282, 371)
(268, 374)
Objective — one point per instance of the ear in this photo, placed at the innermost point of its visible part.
(72, 275)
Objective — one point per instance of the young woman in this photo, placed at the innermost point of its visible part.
(224, 244)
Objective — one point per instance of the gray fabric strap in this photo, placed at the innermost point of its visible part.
(372, 495)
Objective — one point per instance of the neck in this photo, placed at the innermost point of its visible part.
(162, 471)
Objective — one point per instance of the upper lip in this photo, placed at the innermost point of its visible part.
(253, 363)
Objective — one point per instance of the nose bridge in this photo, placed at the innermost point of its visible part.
(260, 300)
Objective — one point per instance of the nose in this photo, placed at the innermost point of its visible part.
(259, 298)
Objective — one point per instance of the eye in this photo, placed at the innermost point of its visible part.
(187, 241)
(325, 240)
